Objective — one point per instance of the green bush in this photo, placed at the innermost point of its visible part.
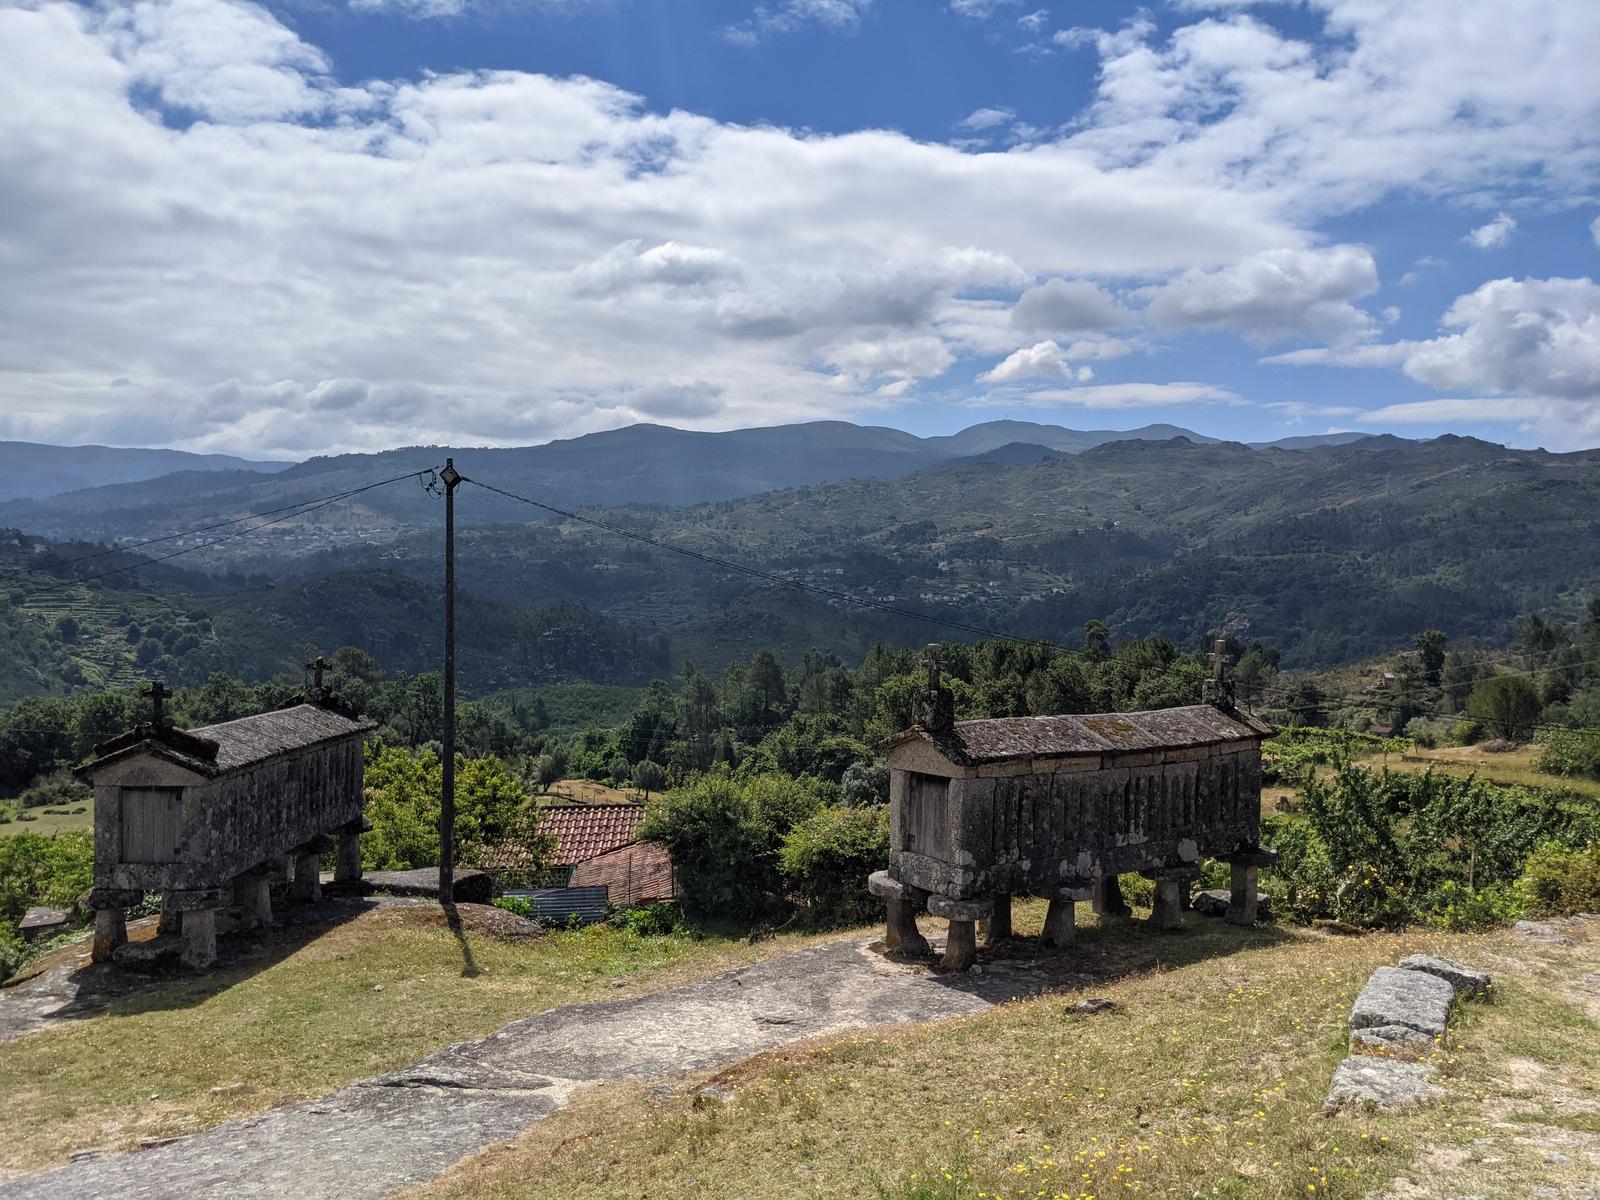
(1569, 752)
(650, 920)
(520, 905)
(826, 860)
(1558, 880)
(724, 835)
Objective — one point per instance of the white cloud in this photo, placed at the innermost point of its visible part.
(980, 9)
(1533, 342)
(1430, 97)
(1066, 306)
(1049, 360)
(1594, 230)
(541, 251)
(1035, 21)
(1273, 295)
(1125, 395)
(790, 15)
(986, 118)
(1493, 235)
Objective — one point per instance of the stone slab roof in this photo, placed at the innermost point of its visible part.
(214, 750)
(581, 832)
(251, 739)
(970, 743)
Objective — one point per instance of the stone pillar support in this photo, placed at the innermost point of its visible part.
(1244, 866)
(1164, 911)
(110, 907)
(1060, 923)
(167, 924)
(252, 894)
(306, 886)
(997, 925)
(110, 931)
(1167, 911)
(1061, 919)
(199, 939)
(1242, 898)
(1108, 901)
(347, 866)
(902, 902)
(961, 944)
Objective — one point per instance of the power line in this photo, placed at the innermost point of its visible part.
(300, 509)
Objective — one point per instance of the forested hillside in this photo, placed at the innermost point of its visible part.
(1330, 554)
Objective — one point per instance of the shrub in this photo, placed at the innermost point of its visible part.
(866, 783)
(1508, 704)
(724, 835)
(520, 905)
(649, 920)
(1558, 880)
(1569, 752)
(826, 860)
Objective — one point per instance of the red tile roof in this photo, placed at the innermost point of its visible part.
(581, 831)
(636, 874)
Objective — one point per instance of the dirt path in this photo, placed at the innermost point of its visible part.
(408, 1127)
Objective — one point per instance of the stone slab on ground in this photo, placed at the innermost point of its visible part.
(1412, 998)
(1398, 1041)
(42, 922)
(1554, 931)
(1467, 981)
(1381, 1083)
(408, 1127)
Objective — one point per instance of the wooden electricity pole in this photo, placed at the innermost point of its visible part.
(451, 478)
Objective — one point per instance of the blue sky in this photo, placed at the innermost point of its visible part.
(321, 226)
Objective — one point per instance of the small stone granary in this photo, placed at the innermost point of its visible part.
(1059, 807)
(212, 817)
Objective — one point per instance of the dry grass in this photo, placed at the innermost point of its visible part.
(586, 791)
(305, 1015)
(1514, 767)
(1206, 1080)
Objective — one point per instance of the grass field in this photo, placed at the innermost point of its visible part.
(1207, 1079)
(305, 1015)
(49, 823)
(586, 791)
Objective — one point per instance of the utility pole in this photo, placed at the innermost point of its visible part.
(451, 478)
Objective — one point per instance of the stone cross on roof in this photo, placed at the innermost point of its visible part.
(316, 668)
(158, 694)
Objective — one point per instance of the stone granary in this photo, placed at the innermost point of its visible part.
(1059, 807)
(212, 817)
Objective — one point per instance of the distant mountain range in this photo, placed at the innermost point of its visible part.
(34, 469)
(640, 464)
(1329, 552)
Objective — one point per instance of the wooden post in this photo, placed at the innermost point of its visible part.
(451, 478)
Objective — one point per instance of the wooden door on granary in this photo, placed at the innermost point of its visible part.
(150, 824)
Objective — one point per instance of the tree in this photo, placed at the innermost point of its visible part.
(1508, 704)
(1096, 639)
(1304, 702)
(1430, 646)
(649, 777)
